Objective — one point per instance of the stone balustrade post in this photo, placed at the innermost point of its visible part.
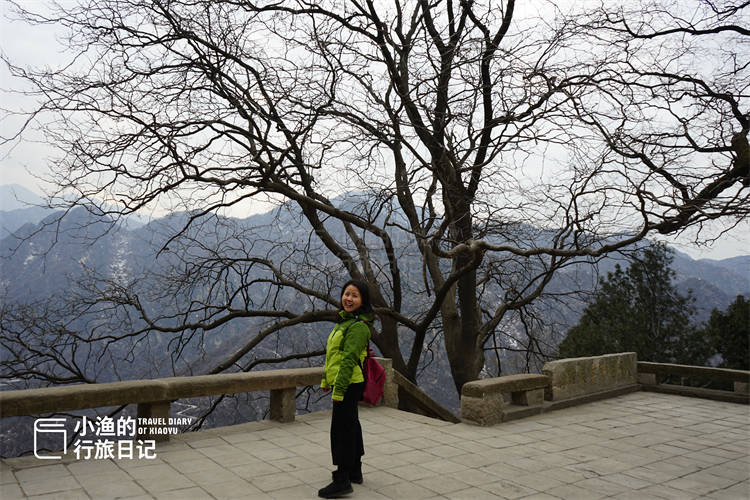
(282, 405)
(390, 394)
(153, 419)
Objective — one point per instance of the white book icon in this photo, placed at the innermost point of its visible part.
(50, 426)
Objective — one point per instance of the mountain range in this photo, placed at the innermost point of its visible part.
(50, 256)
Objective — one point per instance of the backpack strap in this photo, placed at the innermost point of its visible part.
(367, 349)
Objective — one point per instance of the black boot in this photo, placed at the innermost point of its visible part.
(355, 474)
(339, 487)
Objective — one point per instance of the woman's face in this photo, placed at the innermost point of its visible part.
(351, 300)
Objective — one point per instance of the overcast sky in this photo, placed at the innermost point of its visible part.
(20, 164)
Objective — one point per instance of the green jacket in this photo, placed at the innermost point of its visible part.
(345, 355)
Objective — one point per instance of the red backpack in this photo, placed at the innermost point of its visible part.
(374, 374)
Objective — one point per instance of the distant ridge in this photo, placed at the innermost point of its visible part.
(15, 197)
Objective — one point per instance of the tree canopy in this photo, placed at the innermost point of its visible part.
(635, 310)
(494, 143)
(727, 333)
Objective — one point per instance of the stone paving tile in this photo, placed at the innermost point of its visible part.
(539, 482)
(376, 480)
(445, 451)
(272, 454)
(113, 489)
(405, 490)
(11, 492)
(661, 491)
(152, 470)
(503, 470)
(649, 475)
(738, 491)
(293, 463)
(574, 492)
(731, 470)
(442, 485)
(249, 471)
(134, 464)
(234, 489)
(210, 476)
(569, 474)
(445, 466)
(689, 464)
(379, 462)
(193, 493)
(63, 495)
(276, 481)
(473, 494)
(160, 484)
(628, 481)
(318, 475)
(475, 460)
(476, 477)
(42, 472)
(411, 472)
(641, 445)
(628, 495)
(298, 492)
(700, 483)
(599, 484)
(415, 456)
(44, 485)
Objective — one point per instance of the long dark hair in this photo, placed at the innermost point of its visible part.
(364, 292)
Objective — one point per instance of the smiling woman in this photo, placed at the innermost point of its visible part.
(345, 351)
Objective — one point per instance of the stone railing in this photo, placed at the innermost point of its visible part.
(483, 402)
(649, 375)
(573, 381)
(154, 396)
(564, 382)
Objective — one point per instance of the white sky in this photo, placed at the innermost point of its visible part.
(20, 165)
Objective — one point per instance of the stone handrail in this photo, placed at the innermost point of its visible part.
(582, 377)
(482, 400)
(647, 377)
(694, 371)
(154, 396)
(565, 382)
(573, 381)
(83, 396)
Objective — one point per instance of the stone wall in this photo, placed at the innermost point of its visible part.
(574, 377)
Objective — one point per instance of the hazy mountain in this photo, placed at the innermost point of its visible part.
(19, 206)
(14, 197)
(55, 253)
(45, 256)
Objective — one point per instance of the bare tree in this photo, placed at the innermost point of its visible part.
(490, 145)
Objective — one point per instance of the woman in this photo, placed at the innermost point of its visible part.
(345, 350)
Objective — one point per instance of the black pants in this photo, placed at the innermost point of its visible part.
(347, 446)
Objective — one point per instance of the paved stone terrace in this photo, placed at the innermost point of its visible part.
(639, 446)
